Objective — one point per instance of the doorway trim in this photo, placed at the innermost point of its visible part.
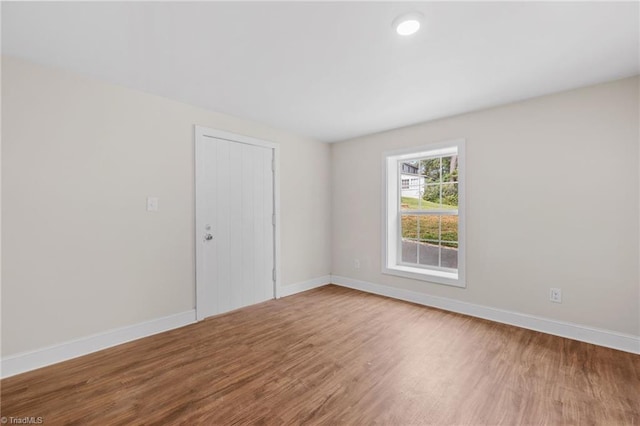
(202, 133)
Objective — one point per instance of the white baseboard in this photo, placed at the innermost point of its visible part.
(288, 290)
(27, 361)
(610, 339)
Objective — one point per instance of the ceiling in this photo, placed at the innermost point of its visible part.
(332, 70)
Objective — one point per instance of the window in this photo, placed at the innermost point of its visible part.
(424, 221)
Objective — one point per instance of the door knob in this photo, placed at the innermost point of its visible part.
(208, 237)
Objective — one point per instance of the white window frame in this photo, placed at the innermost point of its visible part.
(391, 261)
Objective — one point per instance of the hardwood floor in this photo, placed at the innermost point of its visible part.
(336, 356)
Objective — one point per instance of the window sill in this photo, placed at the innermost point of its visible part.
(439, 277)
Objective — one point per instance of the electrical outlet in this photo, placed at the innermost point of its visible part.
(356, 263)
(555, 295)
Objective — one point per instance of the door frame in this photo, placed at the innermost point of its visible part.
(201, 134)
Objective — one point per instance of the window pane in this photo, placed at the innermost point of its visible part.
(409, 236)
(449, 196)
(449, 256)
(449, 228)
(409, 227)
(431, 197)
(407, 203)
(410, 198)
(429, 254)
(409, 251)
(409, 167)
(409, 185)
(450, 169)
(430, 169)
(429, 228)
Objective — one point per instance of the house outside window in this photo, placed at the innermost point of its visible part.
(424, 217)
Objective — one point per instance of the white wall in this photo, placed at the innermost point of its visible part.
(552, 201)
(80, 253)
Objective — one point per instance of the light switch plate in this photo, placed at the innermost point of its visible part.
(152, 204)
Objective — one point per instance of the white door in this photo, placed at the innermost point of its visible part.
(235, 222)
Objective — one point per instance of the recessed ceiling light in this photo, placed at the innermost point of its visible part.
(407, 24)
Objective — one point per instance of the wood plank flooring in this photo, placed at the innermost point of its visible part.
(336, 356)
